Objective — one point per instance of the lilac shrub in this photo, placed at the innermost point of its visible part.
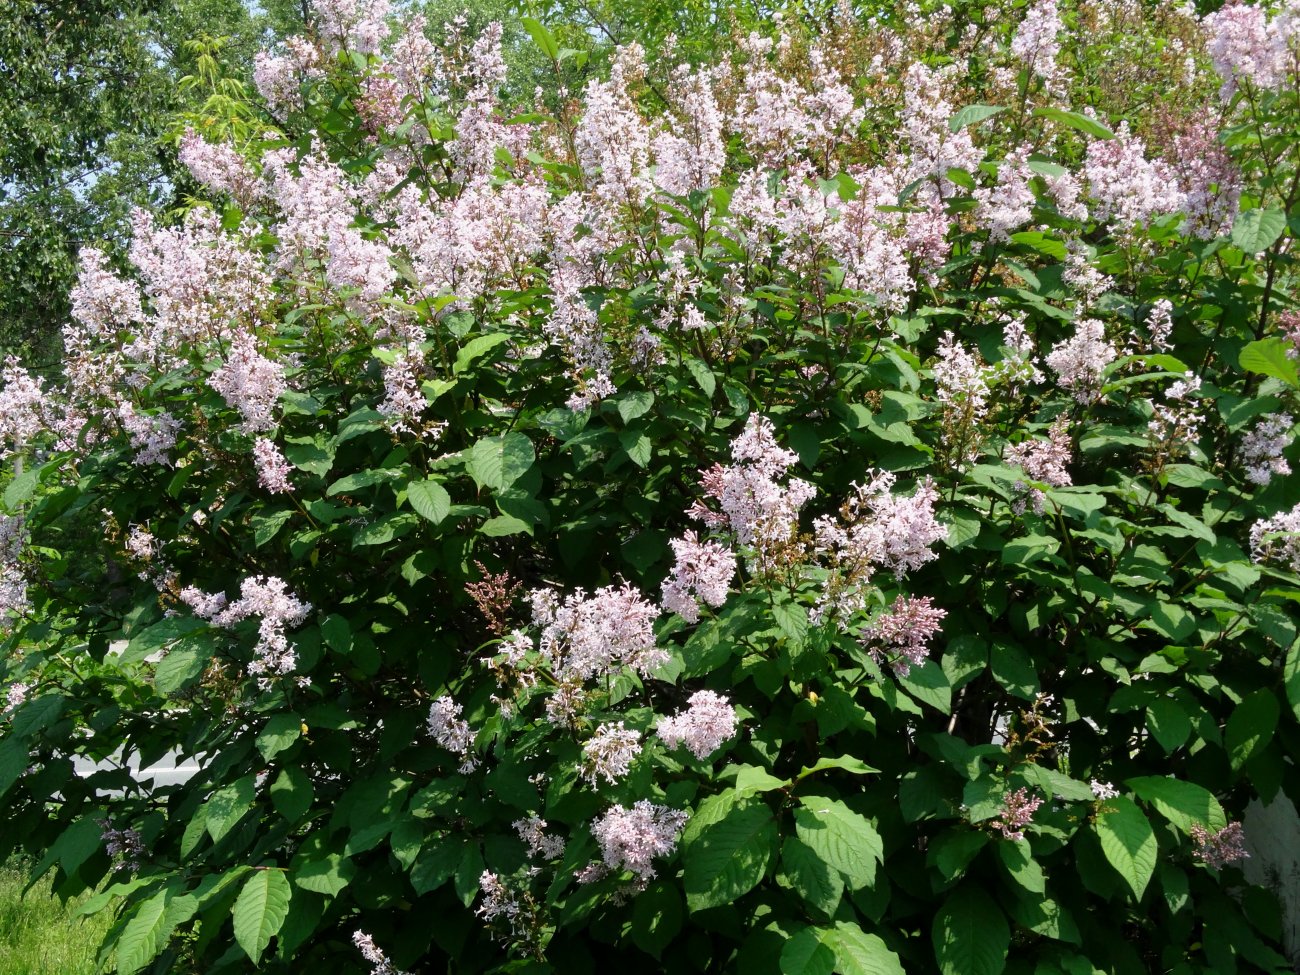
(827, 508)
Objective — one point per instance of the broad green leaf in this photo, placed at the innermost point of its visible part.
(1257, 230)
(260, 909)
(806, 954)
(637, 445)
(497, 462)
(858, 953)
(845, 763)
(542, 37)
(972, 114)
(1019, 861)
(811, 877)
(843, 838)
(479, 346)
(1182, 803)
(1290, 675)
(429, 499)
(364, 479)
(1251, 726)
(634, 405)
(182, 665)
(328, 875)
(291, 793)
(1128, 842)
(1268, 357)
(1168, 723)
(436, 864)
(1075, 121)
(145, 934)
(279, 734)
(228, 806)
(729, 857)
(970, 934)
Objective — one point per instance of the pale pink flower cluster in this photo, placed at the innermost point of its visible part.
(760, 513)
(1128, 188)
(479, 131)
(1018, 810)
(1160, 324)
(151, 435)
(1080, 360)
(960, 383)
(272, 469)
(541, 844)
(702, 571)
(609, 753)
(901, 635)
(597, 635)
(15, 694)
(1175, 424)
(1219, 849)
(500, 903)
(358, 263)
(1082, 276)
(708, 721)
(1210, 181)
(1245, 44)
(612, 140)
(1277, 539)
(689, 153)
(1046, 461)
(141, 544)
(934, 147)
(250, 383)
(631, 839)
(1101, 791)
(1035, 42)
(1009, 204)
(379, 103)
(22, 408)
(13, 582)
(268, 598)
(452, 732)
(218, 167)
(380, 965)
(101, 301)
(354, 25)
(404, 402)
(1262, 447)
(876, 247)
(279, 77)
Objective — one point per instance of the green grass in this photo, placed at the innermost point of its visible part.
(38, 934)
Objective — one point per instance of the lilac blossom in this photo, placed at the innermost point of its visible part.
(901, 634)
(1262, 447)
(1277, 539)
(101, 301)
(708, 721)
(609, 753)
(541, 845)
(218, 167)
(1080, 360)
(1129, 188)
(268, 599)
(452, 732)
(702, 571)
(250, 383)
(631, 839)
(1035, 42)
(1160, 324)
(151, 435)
(13, 581)
(380, 965)
(1245, 46)
(272, 469)
(1046, 461)
(598, 635)
(1221, 848)
(1017, 812)
(22, 408)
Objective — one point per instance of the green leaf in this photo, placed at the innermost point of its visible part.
(1257, 230)
(292, 793)
(634, 405)
(182, 666)
(1268, 357)
(729, 858)
(846, 840)
(811, 877)
(970, 934)
(1290, 676)
(479, 346)
(14, 756)
(1168, 723)
(1251, 726)
(228, 806)
(260, 909)
(858, 953)
(279, 734)
(21, 489)
(637, 445)
(1019, 861)
(1031, 548)
(845, 763)
(806, 954)
(267, 526)
(325, 876)
(497, 462)
(1182, 803)
(145, 934)
(1128, 842)
(436, 864)
(972, 114)
(364, 479)
(1075, 121)
(542, 37)
(702, 375)
(429, 499)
